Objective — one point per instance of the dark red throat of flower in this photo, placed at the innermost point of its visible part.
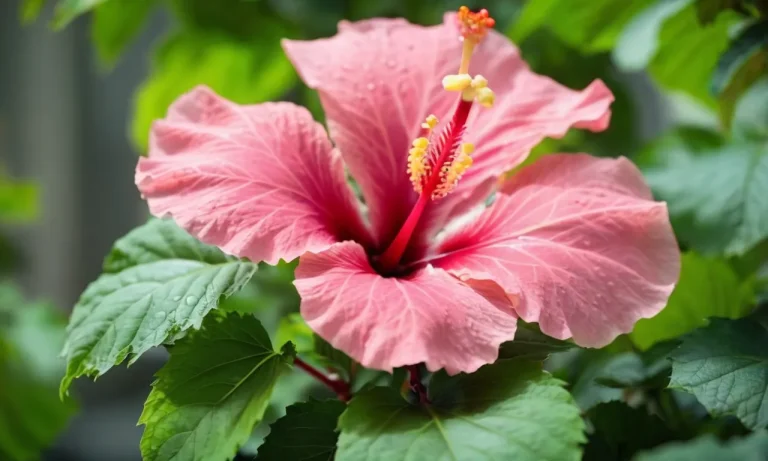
(437, 162)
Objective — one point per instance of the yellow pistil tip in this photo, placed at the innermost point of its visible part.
(420, 143)
(467, 148)
(457, 82)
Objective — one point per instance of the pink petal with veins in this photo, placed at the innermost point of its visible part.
(384, 323)
(257, 181)
(379, 79)
(579, 241)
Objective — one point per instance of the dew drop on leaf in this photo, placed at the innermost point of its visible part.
(191, 300)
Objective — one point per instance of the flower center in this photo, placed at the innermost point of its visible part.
(436, 161)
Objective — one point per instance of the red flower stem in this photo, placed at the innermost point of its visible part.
(339, 386)
(414, 378)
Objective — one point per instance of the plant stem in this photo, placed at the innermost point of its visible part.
(339, 386)
(414, 378)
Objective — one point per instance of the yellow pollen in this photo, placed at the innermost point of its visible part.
(418, 167)
(450, 174)
(486, 97)
(430, 123)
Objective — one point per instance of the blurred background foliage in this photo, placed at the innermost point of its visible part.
(708, 61)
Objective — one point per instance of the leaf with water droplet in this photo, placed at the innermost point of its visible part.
(157, 271)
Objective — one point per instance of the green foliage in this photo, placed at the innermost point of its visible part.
(243, 71)
(31, 414)
(306, 432)
(590, 25)
(509, 410)
(707, 448)
(725, 365)
(620, 431)
(30, 10)
(707, 288)
(68, 10)
(18, 200)
(214, 389)
(116, 23)
(685, 52)
(718, 198)
(158, 281)
(745, 61)
(750, 121)
(532, 344)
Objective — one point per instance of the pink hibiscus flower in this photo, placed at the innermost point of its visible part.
(426, 272)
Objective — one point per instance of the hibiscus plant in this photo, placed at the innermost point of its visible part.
(405, 266)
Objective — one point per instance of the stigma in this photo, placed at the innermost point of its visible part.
(436, 162)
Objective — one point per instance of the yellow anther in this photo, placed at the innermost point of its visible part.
(430, 123)
(479, 82)
(418, 168)
(457, 82)
(451, 173)
(486, 97)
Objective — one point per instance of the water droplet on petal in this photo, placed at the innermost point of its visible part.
(611, 283)
(191, 300)
(371, 86)
(391, 64)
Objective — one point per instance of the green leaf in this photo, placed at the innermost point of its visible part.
(508, 410)
(307, 432)
(707, 448)
(707, 288)
(158, 240)
(620, 431)
(31, 413)
(678, 147)
(725, 365)
(293, 328)
(639, 41)
(750, 121)
(709, 9)
(158, 281)
(718, 201)
(30, 10)
(591, 26)
(683, 54)
(116, 23)
(531, 343)
(212, 392)
(242, 71)
(745, 61)
(18, 200)
(68, 10)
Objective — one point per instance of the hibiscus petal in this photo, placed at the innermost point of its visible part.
(257, 181)
(579, 241)
(383, 323)
(379, 79)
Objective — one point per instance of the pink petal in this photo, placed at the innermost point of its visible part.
(257, 181)
(379, 79)
(579, 241)
(384, 323)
